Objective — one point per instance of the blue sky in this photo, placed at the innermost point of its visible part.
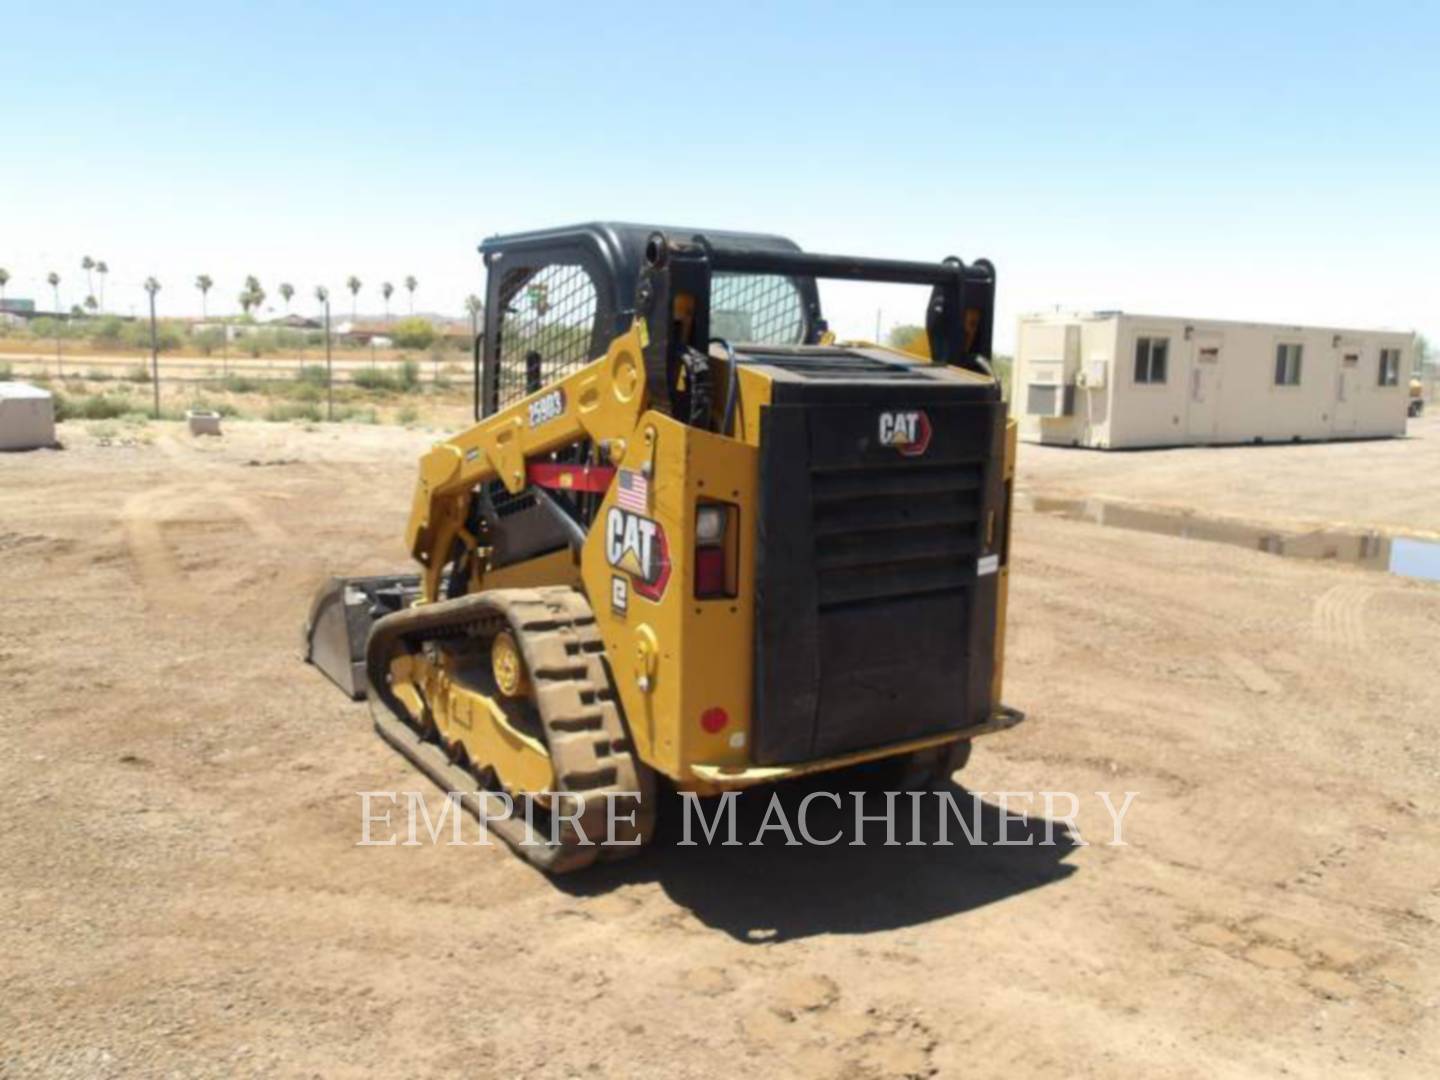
(1226, 160)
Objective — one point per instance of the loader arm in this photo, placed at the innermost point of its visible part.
(601, 402)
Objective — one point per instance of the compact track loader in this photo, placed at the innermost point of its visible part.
(691, 536)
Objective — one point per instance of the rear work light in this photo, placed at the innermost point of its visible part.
(716, 544)
(710, 523)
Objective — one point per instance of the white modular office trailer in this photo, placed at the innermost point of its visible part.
(1112, 380)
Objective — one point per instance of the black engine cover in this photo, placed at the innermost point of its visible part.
(877, 583)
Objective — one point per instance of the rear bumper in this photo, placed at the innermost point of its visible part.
(712, 779)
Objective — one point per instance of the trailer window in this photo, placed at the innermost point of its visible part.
(1389, 367)
(1151, 357)
(1287, 365)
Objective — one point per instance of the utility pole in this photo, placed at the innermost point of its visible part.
(54, 280)
(152, 287)
(323, 294)
(329, 371)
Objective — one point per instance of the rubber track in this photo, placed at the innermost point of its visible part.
(590, 749)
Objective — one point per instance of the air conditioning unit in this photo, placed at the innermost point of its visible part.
(1049, 399)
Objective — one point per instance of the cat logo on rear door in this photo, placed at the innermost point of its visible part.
(635, 545)
(908, 432)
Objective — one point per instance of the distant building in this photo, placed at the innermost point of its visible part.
(457, 331)
(1110, 380)
(15, 305)
(296, 322)
(365, 332)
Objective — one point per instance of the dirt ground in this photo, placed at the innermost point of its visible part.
(183, 894)
(1385, 484)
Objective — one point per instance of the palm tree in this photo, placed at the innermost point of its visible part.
(286, 292)
(102, 268)
(54, 279)
(353, 284)
(254, 292)
(474, 306)
(321, 293)
(387, 290)
(4, 280)
(204, 284)
(411, 283)
(88, 265)
(90, 302)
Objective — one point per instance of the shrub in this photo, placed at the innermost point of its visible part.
(312, 375)
(407, 415)
(408, 378)
(93, 407)
(47, 327)
(6, 372)
(240, 384)
(284, 411)
(372, 378)
(98, 375)
(108, 332)
(169, 336)
(207, 341)
(413, 333)
(138, 373)
(306, 392)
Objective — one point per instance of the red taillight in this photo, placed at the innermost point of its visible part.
(709, 572)
(714, 720)
(716, 537)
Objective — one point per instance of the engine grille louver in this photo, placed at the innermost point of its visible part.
(896, 531)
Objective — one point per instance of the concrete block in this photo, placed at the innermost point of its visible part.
(27, 417)
(202, 422)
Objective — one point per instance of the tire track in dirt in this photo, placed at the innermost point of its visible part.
(1338, 615)
(147, 515)
(162, 581)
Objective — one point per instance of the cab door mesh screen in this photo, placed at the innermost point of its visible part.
(546, 330)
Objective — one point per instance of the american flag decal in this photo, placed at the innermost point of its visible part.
(632, 491)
